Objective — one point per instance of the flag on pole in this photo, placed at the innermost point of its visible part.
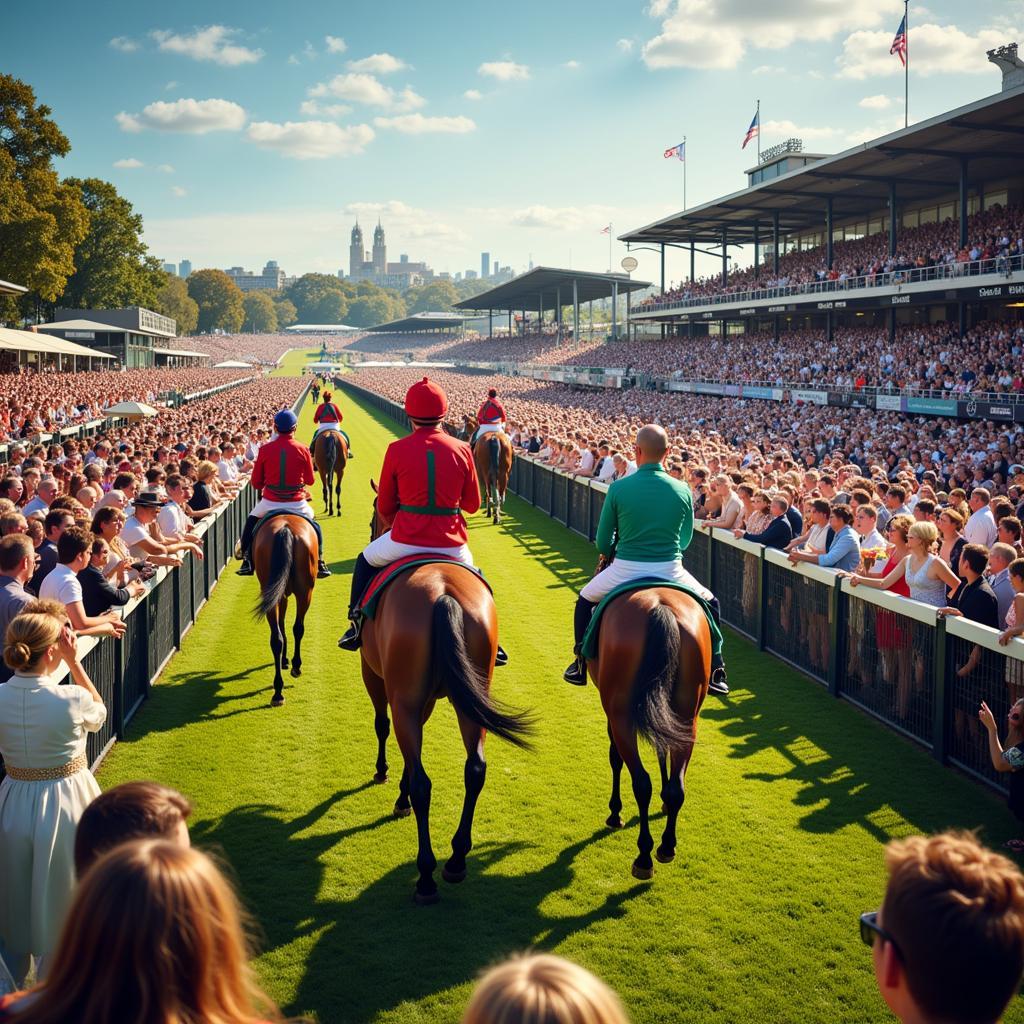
(753, 131)
(899, 44)
(605, 230)
(679, 152)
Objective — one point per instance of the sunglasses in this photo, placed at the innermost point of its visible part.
(870, 929)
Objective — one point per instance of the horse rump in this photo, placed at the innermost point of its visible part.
(451, 668)
(281, 556)
(651, 710)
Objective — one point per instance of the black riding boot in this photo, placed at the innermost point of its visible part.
(718, 684)
(245, 544)
(576, 673)
(362, 574)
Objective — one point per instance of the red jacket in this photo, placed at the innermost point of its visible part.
(283, 469)
(492, 411)
(327, 412)
(427, 478)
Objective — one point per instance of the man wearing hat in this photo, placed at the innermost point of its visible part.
(328, 417)
(427, 481)
(490, 417)
(283, 470)
(141, 543)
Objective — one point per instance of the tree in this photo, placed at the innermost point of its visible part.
(172, 299)
(111, 266)
(436, 297)
(370, 310)
(41, 218)
(219, 300)
(311, 296)
(260, 315)
(286, 312)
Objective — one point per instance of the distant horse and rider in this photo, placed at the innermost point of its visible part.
(331, 451)
(492, 452)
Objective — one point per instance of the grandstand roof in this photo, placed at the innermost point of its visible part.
(541, 285)
(8, 288)
(181, 352)
(320, 329)
(419, 322)
(923, 160)
(29, 341)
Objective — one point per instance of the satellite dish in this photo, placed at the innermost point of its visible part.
(629, 264)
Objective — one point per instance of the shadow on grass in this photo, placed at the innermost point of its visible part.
(547, 546)
(404, 953)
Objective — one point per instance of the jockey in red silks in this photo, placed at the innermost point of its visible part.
(328, 417)
(490, 417)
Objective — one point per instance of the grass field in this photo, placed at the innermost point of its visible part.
(791, 798)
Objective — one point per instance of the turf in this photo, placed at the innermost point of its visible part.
(791, 798)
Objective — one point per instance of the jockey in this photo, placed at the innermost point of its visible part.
(328, 417)
(282, 472)
(647, 523)
(427, 481)
(490, 417)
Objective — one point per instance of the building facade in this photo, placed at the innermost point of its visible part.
(272, 278)
(374, 266)
(184, 268)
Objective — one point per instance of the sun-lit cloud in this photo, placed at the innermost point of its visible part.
(473, 94)
(196, 117)
(417, 124)
(311, 108)
(878, 102)
(310, 140)
(123, 44)
(213, 43)
(378, 64)
(335, 44)
(368, 90)
(504, 70)
(178, 192)
(128, 163)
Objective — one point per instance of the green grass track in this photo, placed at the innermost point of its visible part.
(791, 797)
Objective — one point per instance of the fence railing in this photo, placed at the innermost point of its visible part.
(922, 675)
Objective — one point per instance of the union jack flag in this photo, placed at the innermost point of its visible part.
(679, 152)
(754, 130)
(899, 44)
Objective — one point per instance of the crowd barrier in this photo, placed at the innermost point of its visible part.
(920, 674)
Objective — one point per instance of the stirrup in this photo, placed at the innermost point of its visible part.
(352, 640)
(576, 673)
(322, 572)
(245, 569)
(501, 658)
(718, 684)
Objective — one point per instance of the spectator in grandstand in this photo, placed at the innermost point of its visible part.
(132, 810)
(778, 533)
(952, 541)
(138, 538)
(731, 508)
(814, 539)
(45, 493)
(98, 595)
(981, 527)
(56, 522)
(1015, 615)
(203, 499)
(1008, 758)
(864, 520)
(17, 562)
(974, 599)
(1008, 531)
(185, 926)
(843, 552)
(43, 731)
(542, 989)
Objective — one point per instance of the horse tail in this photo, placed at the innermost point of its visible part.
(651, 711)
(493, 455)
(331, 455)
(281, 557)
(451, 668)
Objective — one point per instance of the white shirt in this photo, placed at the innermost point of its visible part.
(172, 521)
(872, 540)
(981, 528)
(607, 473)
(133, 533)
(61, 584)
(227, 471)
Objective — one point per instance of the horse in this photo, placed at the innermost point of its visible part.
(285, 553)
(435, 634)
(652, 669)
(330, 455)
(492, 455)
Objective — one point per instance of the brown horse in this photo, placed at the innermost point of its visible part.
(652, 670)
(434, 635)
(330, 456)
(492, 455)
(285, 553)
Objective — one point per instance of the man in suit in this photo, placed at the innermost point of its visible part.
(778, 533)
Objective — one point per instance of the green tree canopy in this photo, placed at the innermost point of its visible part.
(436, 297)
(219, 300)
(172, 299)
(370, 310)
(260, 315)
(286, 312)
(41, 218)
(311, 295)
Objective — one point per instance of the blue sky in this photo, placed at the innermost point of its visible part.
(252, 131)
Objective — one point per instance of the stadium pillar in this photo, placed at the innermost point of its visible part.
(757, 250)
(575, 313)
(490, 323)
(892, 220)
(615, 310)
(662, 268)
(558, 310)
(775, 243)
(725, 256)
(828, 246)
(691, 260)
(963, 202)
(510, 322)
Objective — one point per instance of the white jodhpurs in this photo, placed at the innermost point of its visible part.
(265, 505)
(384, 550)
(623, 571)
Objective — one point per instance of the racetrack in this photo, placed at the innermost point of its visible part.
(791, 797)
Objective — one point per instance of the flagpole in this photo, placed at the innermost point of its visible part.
(759, 127)
(684, 172)
(906, 63)
(609, 247)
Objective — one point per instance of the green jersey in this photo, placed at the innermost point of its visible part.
(647, 517)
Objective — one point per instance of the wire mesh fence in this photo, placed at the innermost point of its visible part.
(798, 620)
(736, 575)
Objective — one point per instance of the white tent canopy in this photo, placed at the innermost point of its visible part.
(29, 341)
(232, 364)
(131, 409)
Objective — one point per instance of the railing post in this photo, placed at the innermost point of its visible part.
(837, 637)
(119, 660)
(762, 598)
(943, 706)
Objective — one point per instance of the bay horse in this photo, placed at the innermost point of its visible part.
(652, 670)
(435, 634)
(285, 554)
(330, 456)
(492, 455)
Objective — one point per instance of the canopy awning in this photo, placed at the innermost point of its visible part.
(30, 341)
(180, 352)
(549, 287)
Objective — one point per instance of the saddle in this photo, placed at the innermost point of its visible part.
(278, 512)
(371, 596)
(589, 646)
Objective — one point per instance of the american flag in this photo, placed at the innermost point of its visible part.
(899, 44)
(679, 152)
(754, 130)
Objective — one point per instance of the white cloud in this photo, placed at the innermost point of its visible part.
(165, 168)
(310, 140)
(716, 34)
(890, 124)
(879, 102)
(625, 45)
(934, 49)
(178, 192)
(310, 108)
(378, 64)
(789, 129)
(769, 69)
(504, 70)
(473, 94)
(393, 208)
(170, 85)
(124, 44)
(292, 59)
(196, 117)
(335, 44)
(212, 43)
(572, 65)
(128, 163)
(562, 218)
(362, 88)
(417, 124)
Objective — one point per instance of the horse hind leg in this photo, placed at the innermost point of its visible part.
(474, 775)
(276, 647)
(282, 611)
(624, 738)
(674, 795)
(298, 632)
(409, 733)
(614, 819)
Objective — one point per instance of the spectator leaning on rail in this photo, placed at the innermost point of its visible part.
(948, 942)
(283, 470)
(646, 524)
(17, 560)
(842, 549)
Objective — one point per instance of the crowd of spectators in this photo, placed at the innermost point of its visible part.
(265, 349)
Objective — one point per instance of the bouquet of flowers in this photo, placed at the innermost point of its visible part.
(869, 556)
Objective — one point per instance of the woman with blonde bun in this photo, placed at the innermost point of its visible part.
(43, 732)
(542, 989)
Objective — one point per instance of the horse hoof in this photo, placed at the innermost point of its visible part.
(665, 856)
(453, 876)
(643, 874)
(285, 663)
(380, 778)
(277, 700)
(425, 899)
(613, 821)
(296, 671)
(401, 812)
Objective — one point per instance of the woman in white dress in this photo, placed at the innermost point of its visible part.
(43, 730)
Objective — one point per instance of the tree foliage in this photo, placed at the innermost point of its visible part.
(373, 309)
(286, 312)
(173, 300)
(260, 315)
(436, 297)
(219, 300)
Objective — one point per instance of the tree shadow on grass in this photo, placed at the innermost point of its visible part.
(377, 949)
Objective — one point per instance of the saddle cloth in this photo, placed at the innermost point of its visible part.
(589, 645)
(277, 512)
(372, 594)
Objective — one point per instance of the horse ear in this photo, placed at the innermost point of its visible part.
(373, 484)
